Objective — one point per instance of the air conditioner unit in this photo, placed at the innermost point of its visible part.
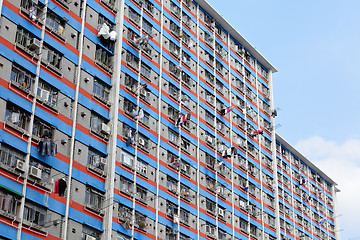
(209, 139)
(34, 44)
(141, 142)
(105, 128)
(184, 167)
(103, 161)
(35, 172)
(221, 212)
(88, 237)
(20, 165)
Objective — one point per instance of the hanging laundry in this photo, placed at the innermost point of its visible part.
(274, 187)
(56, 188)
(182, 119)
(322, 220)
(62, 187)
(274, 113)
(142, 41)
(130, 139)
(15, 117)
(246, 189)
(135, 113)
(113, 35)
(176, 219)
(302, 180)
(256, 132)
(47, 147)
(104, 31)
(226, 110)
(141, 114)
(126, 224)
(227, 153)
(32, 13)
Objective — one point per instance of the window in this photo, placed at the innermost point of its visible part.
(210, 160)
(126, 186)
(131, 83)
(209, 118)
(209, 78)
(102, 19)
(210, 229)
(185, 192)
(174, 49)
(101, 90)
(34, 214)
(122, 237)
(55, 23)
(141, 194)
(42, 129)
(140, 221)
(174, 70)
(134, 16)
(175, 29)
(124, 213)
(209, 58)
(10, 158)
(221, 235)
(141, 167)
(22, 79)
(211, 184)
(186, 59)
(186, 79)
(209, 98)
(9, 203)
(147, 27)
(243, 224)
(184, 216)
(103, 58)
(171, 234)
(175, 9)
(174, 92)
(219, 67)
(173, 137)
(210, 206)
(95, 161)
(87, 231)
(129, 107)
(127, 159)
(148, 6)
(16, 117)
(185, 144)
(172, 185)
(27, 42)
(209, 39)
(171, 209)
(186, 20)
(146, 119)
(94, 200)
(96, 122)
(173, 114)
(145, 70)
(47, 93)
(132, 60)
(219, 87)
(187, 40)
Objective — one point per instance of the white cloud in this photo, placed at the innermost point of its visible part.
(341, 162)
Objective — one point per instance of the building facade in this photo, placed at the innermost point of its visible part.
(142, 119)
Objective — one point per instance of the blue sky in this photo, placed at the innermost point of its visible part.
(315, 47)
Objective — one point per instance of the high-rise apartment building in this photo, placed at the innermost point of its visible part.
(306, 196)
(143, 119)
